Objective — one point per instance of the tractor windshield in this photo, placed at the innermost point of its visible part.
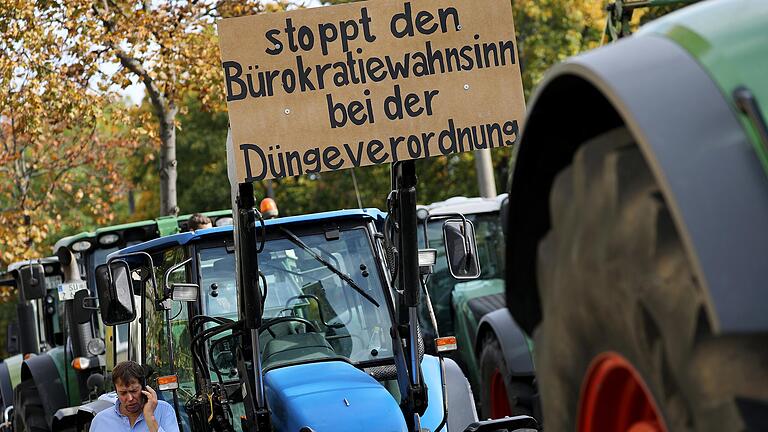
(305, 296)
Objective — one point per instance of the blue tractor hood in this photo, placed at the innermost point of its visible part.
(330, 396)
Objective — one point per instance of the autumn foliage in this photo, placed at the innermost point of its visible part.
(60, 146)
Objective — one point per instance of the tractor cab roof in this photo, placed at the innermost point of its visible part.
(50, 264)
(184, 238)
(466, 205)
(19, 264)
(141, 230)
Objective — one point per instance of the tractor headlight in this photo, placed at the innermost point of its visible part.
(108, 239)
(96, 347)
(81, 246)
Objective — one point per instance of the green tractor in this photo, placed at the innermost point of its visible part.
(636, 215)
(61, 379)
(493, 351)
(37, 328)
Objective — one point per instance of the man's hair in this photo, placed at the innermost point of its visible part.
(126, 372)
(197, 220)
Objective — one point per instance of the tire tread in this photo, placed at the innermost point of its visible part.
(614, 275)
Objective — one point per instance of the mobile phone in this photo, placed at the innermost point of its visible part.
(143, 389)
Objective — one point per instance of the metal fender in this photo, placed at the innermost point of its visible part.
(461, 402)
(434, 416)
(49, 384)
(700, 156)
(87, 412)
(65, 369)
(6, 389)
(514, 344)
(14, 369)
(64, 419)
(80, 417)
(450, 397)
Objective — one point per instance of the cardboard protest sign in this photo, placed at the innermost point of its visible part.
(367, 83)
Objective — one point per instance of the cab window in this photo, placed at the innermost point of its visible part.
(156, 348)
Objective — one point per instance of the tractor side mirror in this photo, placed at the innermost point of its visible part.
(114, 287)
(26, 317)
(461, 249)
(32, 281)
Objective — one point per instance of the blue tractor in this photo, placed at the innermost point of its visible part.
(328, 349)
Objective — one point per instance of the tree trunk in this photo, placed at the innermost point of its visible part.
(167, 116)
(165, 111)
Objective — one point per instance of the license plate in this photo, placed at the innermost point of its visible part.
(67, 290)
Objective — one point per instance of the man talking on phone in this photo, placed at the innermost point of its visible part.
(137, 408)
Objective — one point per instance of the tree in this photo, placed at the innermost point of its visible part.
(203, 181)
(58, 150)
(171, 48)
(549, 31)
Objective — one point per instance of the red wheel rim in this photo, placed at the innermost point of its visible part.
(499, 398)
(614, 398)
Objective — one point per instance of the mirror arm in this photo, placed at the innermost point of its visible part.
(167, 277)
(424, 228)
(446, 216)
(151, 267)
(94, 300)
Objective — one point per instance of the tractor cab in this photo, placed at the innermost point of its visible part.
(493, 351)
(35, 283)
(445, 290)
(326, 300)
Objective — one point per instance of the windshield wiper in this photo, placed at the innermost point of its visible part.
(298, 242)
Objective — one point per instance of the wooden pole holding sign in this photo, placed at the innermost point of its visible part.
(369, 83)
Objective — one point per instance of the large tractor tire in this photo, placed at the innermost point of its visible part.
(627, 335)
(28, 412)
(501, 394)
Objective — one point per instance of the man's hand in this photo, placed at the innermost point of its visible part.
(149, 409)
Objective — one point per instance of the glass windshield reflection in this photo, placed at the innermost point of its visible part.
(304, 296)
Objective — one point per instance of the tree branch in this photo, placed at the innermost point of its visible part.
(133, 65)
